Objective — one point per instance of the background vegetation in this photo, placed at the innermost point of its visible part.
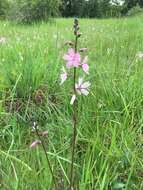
(110, 128)
(27, 11)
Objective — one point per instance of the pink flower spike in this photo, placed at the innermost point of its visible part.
(83, 50)
(63, 76)
(82, 87)
(35, 143)
(73, 99)
(72, 59)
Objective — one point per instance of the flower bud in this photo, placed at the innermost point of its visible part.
(83, 50)
(76, 21)
(35, 143)
(79, 34)
(70, 43)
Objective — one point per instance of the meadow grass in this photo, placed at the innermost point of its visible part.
(110, 122)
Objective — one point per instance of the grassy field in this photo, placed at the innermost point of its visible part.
(110, 121)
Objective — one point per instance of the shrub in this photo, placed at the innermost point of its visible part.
(135, 11)
(27, 11)
(4, 5)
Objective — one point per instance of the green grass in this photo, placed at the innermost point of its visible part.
(110, 122)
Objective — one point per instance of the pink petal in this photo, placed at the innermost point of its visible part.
(69, 65)
(71, 52)
(63, 78)
(66, 57)
(85, 68)
(35, 143)
(63, 75)
(78, 57)
(73, 99)
(76, 64)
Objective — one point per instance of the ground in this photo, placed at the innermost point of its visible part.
(110, 119)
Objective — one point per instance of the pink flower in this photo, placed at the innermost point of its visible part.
(35, 143)
(63, 75)
(72, 59)
(82, 87)
(85, 66)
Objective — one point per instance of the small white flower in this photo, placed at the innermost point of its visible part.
(35, 126)
(139, 55)
(82, 87)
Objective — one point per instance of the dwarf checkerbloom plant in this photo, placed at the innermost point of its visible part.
(73, 59)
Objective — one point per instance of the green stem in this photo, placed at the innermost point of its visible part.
(48, 161)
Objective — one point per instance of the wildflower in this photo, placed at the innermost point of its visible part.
(72, 58)
(35, 143)
(82, 87)
(2, 40)
(34, 126)
(85, 66)
(63, 75)
(79, 34)
(139, 56)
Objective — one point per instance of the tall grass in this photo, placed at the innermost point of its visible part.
(110, 133)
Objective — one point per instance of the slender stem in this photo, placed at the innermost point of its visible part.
(74, 128)
(48, 161)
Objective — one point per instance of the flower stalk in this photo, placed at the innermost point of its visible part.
(74, 113)
(40, 141)
(74, 62)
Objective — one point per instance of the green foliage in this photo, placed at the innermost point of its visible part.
(4, 5)
(70, 8)
(129, 4)
(115, 11)
(135, 11)
(27, 11)
(90, 9)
